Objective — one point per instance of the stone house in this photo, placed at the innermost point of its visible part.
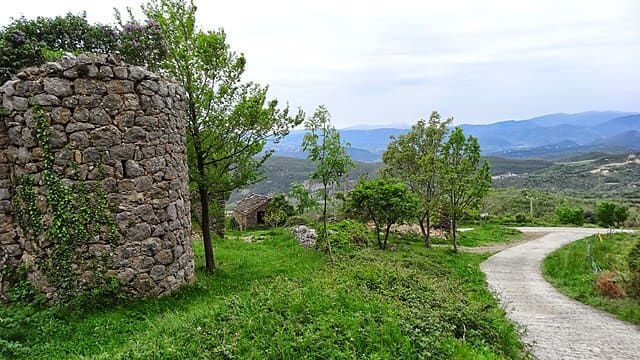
(251, 210)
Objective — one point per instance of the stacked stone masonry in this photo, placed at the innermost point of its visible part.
(123, 126)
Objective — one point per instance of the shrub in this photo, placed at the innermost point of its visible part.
(347, 232)
(567, 215)
(607, 284)
(30, 42)
(278, 211)
(521, 218)
(610, 214)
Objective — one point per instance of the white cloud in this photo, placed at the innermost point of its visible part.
(390, 62)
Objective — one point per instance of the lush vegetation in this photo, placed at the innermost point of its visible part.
(515, 206)
(597, 273)
(275, 299)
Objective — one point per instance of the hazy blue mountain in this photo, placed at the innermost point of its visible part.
(365, 145)
(544, 137)
(618, 125)
(588, 118)
(627, 140)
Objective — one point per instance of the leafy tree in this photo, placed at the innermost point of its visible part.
(385, 201)
(228, 121)
(30, 42)
(463, 179)
(569, 215)
(303, 198)
(415, 158)
(611, 214)
(278, 210)
(322, 143)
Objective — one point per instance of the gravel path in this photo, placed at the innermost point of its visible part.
(555, 326)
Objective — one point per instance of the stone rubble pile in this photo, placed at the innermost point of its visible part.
(306, 237)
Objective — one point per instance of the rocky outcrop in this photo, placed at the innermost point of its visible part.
(306, 237)
(117, 125)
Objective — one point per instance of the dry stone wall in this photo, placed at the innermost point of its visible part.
(116, 125)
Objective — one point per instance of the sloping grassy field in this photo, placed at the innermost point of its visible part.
(275, 300)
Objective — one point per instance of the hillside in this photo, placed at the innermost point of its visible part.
(280, 172)
(608, 176)
(591, 177)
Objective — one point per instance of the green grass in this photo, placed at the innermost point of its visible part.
(484, 234)
(569, 269)
(276, 300)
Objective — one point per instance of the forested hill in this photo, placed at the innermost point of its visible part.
(280, 172)
(589, 175)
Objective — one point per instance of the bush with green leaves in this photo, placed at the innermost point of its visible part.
(278, 211)
(385, 201)
(569, 215)
(348, 232)
(611, 215)
(31, 42)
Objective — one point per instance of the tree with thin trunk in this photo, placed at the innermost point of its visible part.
(415, 159)
(464, 180)
(323, 146)
(384, 201)
(228, 121)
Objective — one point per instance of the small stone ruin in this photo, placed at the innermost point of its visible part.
(116, 125)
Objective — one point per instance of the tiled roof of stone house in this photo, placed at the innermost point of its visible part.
(251, 203)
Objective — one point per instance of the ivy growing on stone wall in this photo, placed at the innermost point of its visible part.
(75, 230)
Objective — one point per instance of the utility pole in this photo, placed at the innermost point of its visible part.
(531, 198)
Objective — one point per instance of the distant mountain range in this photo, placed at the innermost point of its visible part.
(551, 137)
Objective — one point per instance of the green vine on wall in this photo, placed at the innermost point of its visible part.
(78, 215)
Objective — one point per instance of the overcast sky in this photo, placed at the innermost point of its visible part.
(392, 62)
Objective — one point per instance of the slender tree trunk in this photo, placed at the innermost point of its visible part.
(453, 233)
(426, 230)
(386, 236)
(206, 230)
(378, 235)
(428, 238)
(205, 222)
(324, 224)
